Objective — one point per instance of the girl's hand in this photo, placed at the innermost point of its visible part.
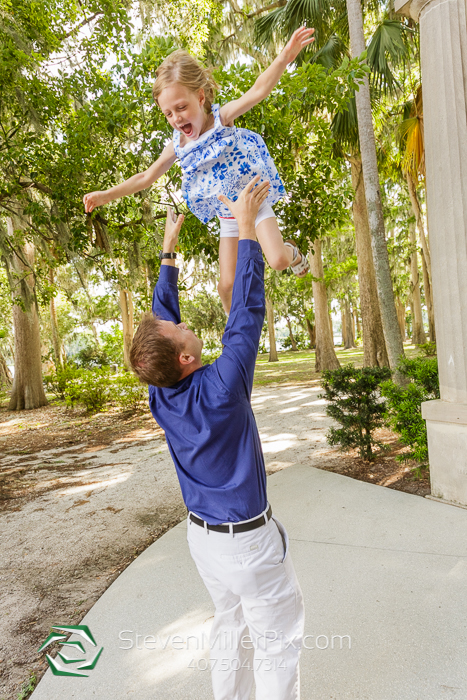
(300, 38)
(93, 200)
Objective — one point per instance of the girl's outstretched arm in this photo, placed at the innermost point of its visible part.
(269, 79)
(136, 183)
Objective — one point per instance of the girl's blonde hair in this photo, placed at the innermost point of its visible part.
(180, 67)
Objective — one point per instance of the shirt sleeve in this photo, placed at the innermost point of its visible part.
(236, 366)
(165, 296)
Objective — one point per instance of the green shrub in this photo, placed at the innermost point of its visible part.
(4, 391)
(302, 341)
(112, 344)
(404, 412)
(58, 381)
(354, 401)
(424, 371)
(128, 392)
(91, 357)
(91, 388)
(428, 348)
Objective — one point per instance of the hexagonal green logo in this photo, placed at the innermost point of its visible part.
(60, 665)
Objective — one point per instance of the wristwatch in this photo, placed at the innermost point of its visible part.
(167, 256)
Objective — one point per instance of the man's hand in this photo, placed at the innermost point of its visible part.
(173, 224)
(299, 39)
(93, 200)
(246, 207)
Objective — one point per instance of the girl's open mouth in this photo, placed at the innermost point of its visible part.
(187, 129)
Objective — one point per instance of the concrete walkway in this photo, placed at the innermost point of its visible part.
(384, 575)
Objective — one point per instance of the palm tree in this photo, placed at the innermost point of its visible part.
(412, 146)
(392, 332)
(387, 47)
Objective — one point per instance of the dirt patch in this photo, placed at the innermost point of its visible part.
(82, 496)
(385, 470)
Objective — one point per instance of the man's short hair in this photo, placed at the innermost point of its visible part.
(153, 356)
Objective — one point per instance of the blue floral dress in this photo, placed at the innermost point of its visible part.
(222, 161)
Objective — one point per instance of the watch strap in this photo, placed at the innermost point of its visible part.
(167, 256)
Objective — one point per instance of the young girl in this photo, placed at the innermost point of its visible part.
(217, 159)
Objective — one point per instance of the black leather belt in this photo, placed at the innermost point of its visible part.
(236, 527)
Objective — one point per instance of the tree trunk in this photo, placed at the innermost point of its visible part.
(374, 345)
(419, 219)
(343, 324)
(358, 330)
(326, 357)
(418, 332)
(272, 333)
(428, 300)
(59, 353)
(426, 256)
(401, 317)
(6, 379)
(28, 389)
(291, 336)
(311, 332)
(331, 329)
(392, 335)
(126, 306)
(94, 332)
(347, 320)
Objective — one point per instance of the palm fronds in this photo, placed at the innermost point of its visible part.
(331, 54)
(387, 49)
(411, 137)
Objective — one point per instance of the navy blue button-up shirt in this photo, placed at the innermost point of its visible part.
(207, 417)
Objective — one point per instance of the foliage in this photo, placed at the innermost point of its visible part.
(428, 349)
(59, 381)
(95, 387)
(128, 392)
(91, 356)
(112, 344)
(422, 370)
(5, 310)
(4, 391)
(77, 114)
(27, 687)
(354, 400)
(404, 412)
(91, 388)
(302, 341)
(204, 314)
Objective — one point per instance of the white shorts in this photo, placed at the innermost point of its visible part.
(229, 227)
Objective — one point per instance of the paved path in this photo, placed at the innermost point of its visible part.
(384, 575)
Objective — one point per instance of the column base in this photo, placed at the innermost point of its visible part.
(447, 503)
(447, 447)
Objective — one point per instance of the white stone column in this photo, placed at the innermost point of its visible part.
(443, 42)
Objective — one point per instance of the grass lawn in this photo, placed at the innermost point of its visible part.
(300, 366)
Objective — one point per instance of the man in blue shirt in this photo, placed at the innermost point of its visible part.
(240, 549)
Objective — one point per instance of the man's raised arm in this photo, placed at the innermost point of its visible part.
(165, 297)
(236, 366)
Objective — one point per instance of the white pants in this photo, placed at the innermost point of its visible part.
(229, 226)
(259, 619)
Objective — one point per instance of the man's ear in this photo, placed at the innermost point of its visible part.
(185, 359)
